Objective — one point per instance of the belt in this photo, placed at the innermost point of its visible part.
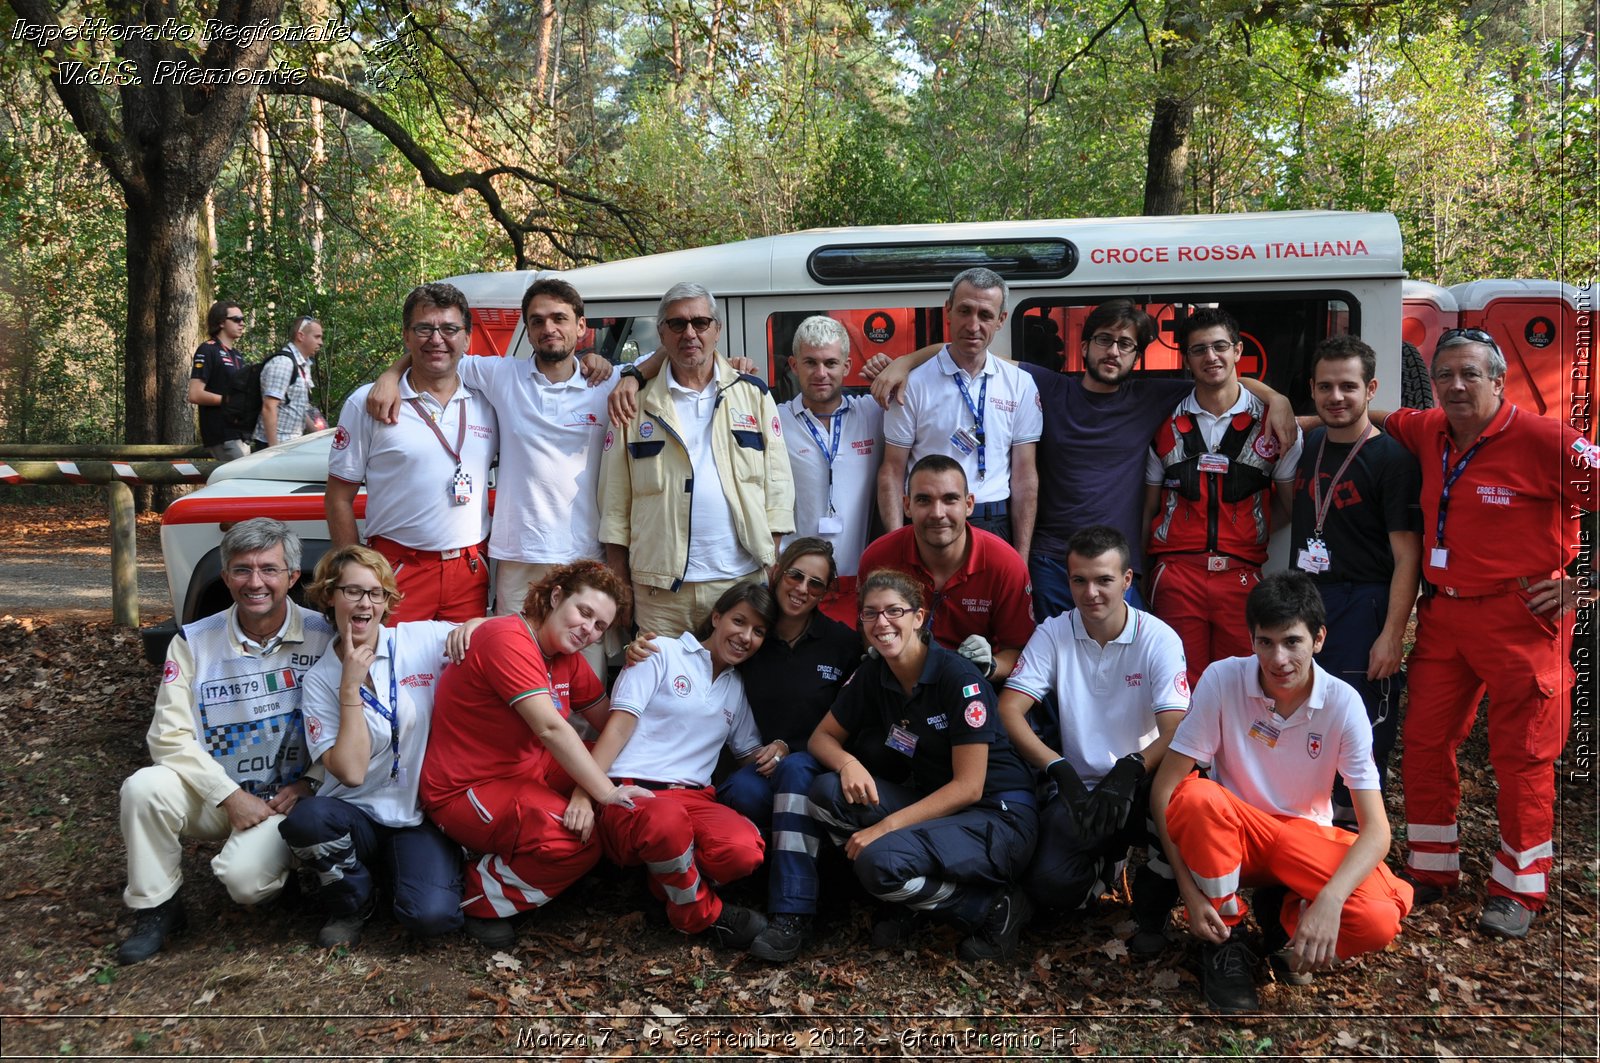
(991, 510)
(652, 784)
(389, 546)
(1485, 590)
(1020, 798)
(1211, 562)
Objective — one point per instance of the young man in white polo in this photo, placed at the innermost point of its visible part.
(1274, 727)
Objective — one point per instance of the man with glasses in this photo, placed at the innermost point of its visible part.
(1209, 507)
(1356, 529)
(227, 741)
(1503, 492)
(977, 585)
(427, 474)
(695, 487)
(286, 386)
(215, 380)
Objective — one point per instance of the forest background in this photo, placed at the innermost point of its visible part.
(428, 138)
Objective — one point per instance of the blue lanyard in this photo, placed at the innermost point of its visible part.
(977, 415)
(389, 712)
(806, 417)
(1450, 477)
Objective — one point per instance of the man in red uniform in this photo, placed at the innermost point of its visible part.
(1502, 490)
(1209, 502)
(981, 603)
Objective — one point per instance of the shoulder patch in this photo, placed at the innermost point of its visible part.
(170, 672)
(1266, 446)
(977, 713)
(341, 438)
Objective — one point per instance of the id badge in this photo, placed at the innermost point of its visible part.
(1265, 733)
(830, 525)
(1314, 558)
(901, 741)
(461, 488)
(1217, 463)
(1439, 557)
(963, 440)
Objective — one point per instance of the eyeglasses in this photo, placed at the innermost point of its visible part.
(352, 593)
(811, 583)
(1105, 341)
(1200, 350)
(677, 325)
(266, 572)
(893, 612)
(236, 320)
(449, 332)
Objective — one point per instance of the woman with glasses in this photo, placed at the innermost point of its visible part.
(506, 775)
(922, 788)
(368, 706)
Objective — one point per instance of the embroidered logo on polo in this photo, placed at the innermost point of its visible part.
(977, 714)
(1314, 745)
(1495, 496)
(1134, 680)
(971, 689)
(745, 422)
(940, 722)
(681, 686)
(314, 728)
(1180, 682)
(341, 438)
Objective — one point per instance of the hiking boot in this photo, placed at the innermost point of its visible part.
(996, 938)
(896, 927)
(345, 929)
(1227, 977)
(736, 927)
(490, 933)
(1153, 900)
(1422, 893)
(1268, 903)
(151, 928)
(1505, 916)
(780, 942)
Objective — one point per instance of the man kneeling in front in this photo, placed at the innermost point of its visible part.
(1274, 728)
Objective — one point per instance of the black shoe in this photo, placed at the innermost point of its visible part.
(780, 942)
(736, 927)
(490, 933)
(345, 929)
(997, 937)
(1268, 905)
(151, 928)
(896, 927)
(1148, 942)
(1227, 977)
(1422, 893)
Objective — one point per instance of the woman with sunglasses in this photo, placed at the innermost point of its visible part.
(506, 775)
(368, 706)
(941, 816)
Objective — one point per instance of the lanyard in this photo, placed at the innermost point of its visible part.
(806, 417)
(1318, 503)
(1450, 477)
(461, 429)
(389, 712)
(977, 414)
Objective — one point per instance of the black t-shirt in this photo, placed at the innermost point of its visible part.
(1378, 494)
(951, 705)
(220, 369)
(791, 688)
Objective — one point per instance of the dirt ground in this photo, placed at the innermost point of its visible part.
(592, 978)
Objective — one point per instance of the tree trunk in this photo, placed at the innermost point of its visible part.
(1168, 155)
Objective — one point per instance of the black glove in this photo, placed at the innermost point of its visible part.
(1070, 789)
(1106, 811)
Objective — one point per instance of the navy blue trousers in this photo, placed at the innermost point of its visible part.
(1355, 618)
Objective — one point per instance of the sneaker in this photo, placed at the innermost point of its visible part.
(345, 929)
(896, 927)
(490, 933)
(151, 928)
(1505, 916)
(996, 938)
(736, 927)
(1422, 893)
(780, 942)
(1227, 977)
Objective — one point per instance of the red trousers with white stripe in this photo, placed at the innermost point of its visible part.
(1464, 646)
(683, 838)
(522, 856)
(1229, 844)
(1205, 608)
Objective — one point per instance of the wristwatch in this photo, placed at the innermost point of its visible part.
(632, 370)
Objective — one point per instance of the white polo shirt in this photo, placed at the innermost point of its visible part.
(413, 654)
(1283, 767)
(546, 508)
(685, 718)
(1212, 428)
(1109, 696)
(714, 548)
(409, 473)
(935, 413)
(859, 421)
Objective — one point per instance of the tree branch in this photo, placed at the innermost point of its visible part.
(1055, 80)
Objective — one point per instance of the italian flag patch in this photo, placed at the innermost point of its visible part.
(970, 691)
(283, 680)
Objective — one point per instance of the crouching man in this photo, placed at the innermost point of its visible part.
(227, 740)
(1274, 728)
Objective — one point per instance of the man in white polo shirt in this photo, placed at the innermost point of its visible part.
(835, 444)
(978, 409)
(1119, 682)
(1274, 727)
(427, 475)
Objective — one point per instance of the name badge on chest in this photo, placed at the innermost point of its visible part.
(1314, 558)
(901, 741)
(461, 487)
(964, 440)
(1217, 463)
(1265, 733)
(830, 525)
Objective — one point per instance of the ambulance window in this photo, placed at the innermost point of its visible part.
(891, 330)
(619, 339)
(1043, 259)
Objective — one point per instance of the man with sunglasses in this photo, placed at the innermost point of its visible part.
(427, 474)
(1216, 481)
(695, 490)
(215, 380)
(1503, 491)
(227, 742)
